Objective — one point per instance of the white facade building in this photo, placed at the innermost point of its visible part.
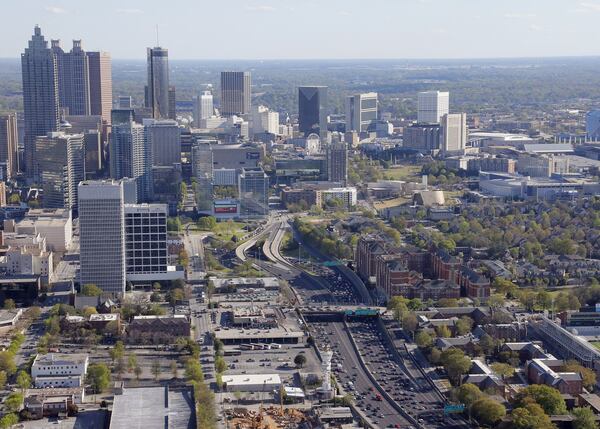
(56, 226)
(453, 133)
(361, 111)
(346, 195)
(264, 120)
(203, 107)
(59, 370)
(432, 105)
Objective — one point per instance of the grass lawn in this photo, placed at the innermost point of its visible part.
(402, 172)
(595, 344)
(226, 230)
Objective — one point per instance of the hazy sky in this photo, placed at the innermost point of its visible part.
(265, 29)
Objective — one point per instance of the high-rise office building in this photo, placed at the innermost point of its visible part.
(9, 144)
(172, 103)
(236, 93)
(100, 77)
(157, 89)
(61, 160)
(102, 235)
(131, 156)
(203, 107)
(337, 162)
(253, 186)
(40, 95)
(453, 132)
(145, 241)
(264, 120)
(164, 139)
(592, 125)
(73, 78)
(432, 105)
(125, 102)
(312, 110)
(361, 111)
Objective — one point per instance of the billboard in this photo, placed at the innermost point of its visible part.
(225, 207)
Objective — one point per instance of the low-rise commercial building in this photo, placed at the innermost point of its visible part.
(252, 383)
(158, 329)
(59, 369)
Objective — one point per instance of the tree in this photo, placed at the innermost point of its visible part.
(156, 369)
(300, 360)
(9, 420)
(443, 331)
(138, 372)
(221, 365)
(546, 397)
(584, 418)
(90, 290)
(132, 362)
(174, 370)
(503, 369)
(9, 304)
(487, 344)
(7, 362)
(117, 351)
(207, 223)
(544, 299)
(464, 325)
(88, 311)
(410, 322)
(455, 363)
(487, 411)
(120, 367)
(423, 340)
(14, 199)
(13, 402)
(435, 355)
(588, 376)
(23, 380)
(98, 377)
(193, 371)
(468, 393)
(3, 378)
(531, 416)
(34, 312)
(447, 302)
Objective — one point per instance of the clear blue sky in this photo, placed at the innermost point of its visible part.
(266, 29)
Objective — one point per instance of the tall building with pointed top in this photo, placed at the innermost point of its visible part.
(312, 110)
(157, 89)
(73, 78)
(40, 95)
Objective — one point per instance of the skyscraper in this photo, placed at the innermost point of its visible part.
(361, 111)
(102, 235)
(254, 192)
(432, 105)
(157, 89)
(73, 78)
(236, 93)
(100, 67)
(203, 107)
(131, 156)
(592, 125)
(40, 95)
(61, 159)
(337, 162)
(453, 132)
(172, 103)
(312, 110)
(164, 139)
(8, 144)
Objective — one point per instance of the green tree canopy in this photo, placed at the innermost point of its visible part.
(98, 377)
(487, 411)
(546, 397)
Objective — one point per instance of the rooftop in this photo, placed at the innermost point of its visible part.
(152, 408)
(60, 359)
(251, 379)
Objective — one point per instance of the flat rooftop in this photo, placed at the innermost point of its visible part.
(153, 408)
(233, 334)
(60, 359)
(251, 379)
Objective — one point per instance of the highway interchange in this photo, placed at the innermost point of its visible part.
(388, 389)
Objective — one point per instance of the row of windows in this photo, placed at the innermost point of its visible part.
(147, 245)
(138, 215)
(145, 221)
